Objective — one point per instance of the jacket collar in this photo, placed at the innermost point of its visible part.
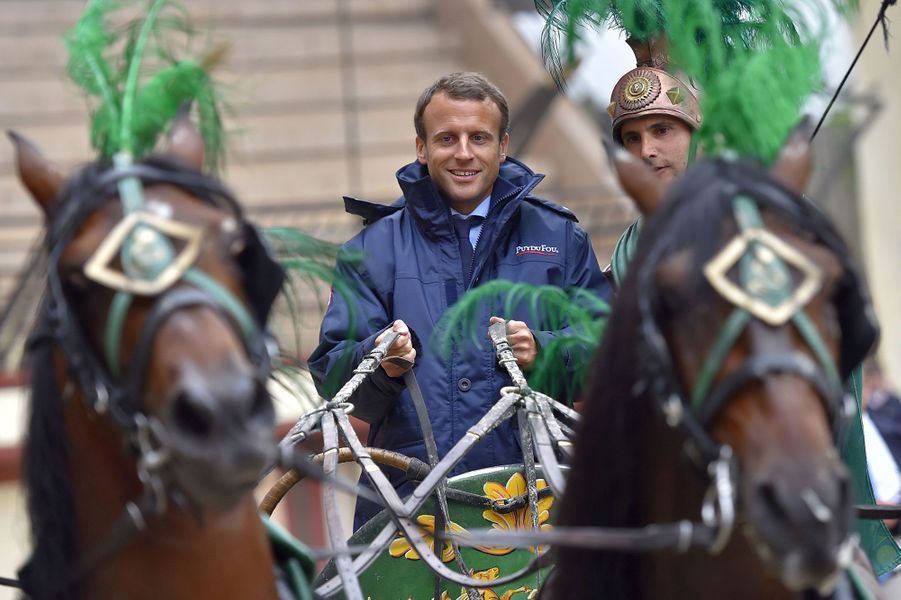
(429, 210)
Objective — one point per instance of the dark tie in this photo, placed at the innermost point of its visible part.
(462, 227)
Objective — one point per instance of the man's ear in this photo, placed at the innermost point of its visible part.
(504, 141)
(421, 153)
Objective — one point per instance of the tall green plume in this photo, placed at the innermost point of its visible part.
(134, 80)
(755, 61)
(577, 316)
(310, 263)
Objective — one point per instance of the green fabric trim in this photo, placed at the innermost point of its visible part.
(733, 327)
(113, 335)
(875, 538)
(810, 334)
(225, 299)
(859, 587)
(624, 251)
(294, 558)
(131, 191)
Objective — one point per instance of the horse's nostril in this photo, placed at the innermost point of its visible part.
(769, 497)
(192, 415)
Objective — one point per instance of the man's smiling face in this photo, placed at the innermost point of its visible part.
(661, 141)
(463, 149)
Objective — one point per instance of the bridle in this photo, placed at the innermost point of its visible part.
(154, 268)
(765, 292)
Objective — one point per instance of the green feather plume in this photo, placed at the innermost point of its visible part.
(310, 263)
(577, 316)
(134, 80)
(755, 61)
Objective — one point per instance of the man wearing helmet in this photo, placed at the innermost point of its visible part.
(654, 114)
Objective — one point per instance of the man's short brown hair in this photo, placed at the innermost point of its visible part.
(462, 86)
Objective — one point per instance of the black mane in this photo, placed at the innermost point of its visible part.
(45, 473)
(607, 482)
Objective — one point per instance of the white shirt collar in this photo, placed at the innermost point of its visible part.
(480, 211)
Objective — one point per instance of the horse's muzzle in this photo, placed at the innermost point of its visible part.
(220, 435)
(801, 521)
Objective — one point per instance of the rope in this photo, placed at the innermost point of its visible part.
(880, 18)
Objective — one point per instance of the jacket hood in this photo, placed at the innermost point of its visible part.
(514, 181)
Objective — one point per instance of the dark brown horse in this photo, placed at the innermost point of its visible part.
(150, 418)
(722, 336)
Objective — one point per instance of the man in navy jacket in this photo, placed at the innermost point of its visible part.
(466, 217)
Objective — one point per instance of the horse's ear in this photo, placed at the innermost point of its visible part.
(636, 179)
(40, 177)
(184, 142)
(794, 164)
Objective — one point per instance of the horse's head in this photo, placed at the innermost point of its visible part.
(753, 317)
(158, 307)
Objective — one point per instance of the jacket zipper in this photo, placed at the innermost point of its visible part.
(472, 261)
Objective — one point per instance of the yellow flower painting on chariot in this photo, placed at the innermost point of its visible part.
(401, 546)
(489, 594)
(521, 518)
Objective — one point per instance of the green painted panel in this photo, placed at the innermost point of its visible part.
(397, 574)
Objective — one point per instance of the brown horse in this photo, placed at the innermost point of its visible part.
(146, 439)
(722, 337)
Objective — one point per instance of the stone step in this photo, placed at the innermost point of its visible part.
(56, 101)
(7, 285)
(312, 180)
(24, 17)
(12, 260)
(317, 180)
(66, 145)
(256, 138)
(280, 138)
(292, 44)
(21, 236)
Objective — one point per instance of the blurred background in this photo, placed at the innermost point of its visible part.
(321, 95)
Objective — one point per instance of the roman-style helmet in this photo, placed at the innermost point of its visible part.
(649, 89)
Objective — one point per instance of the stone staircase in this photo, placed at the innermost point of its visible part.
(320, 94)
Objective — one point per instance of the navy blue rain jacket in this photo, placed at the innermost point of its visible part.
(412, 271)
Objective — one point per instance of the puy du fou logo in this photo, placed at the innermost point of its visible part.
(541, 250)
